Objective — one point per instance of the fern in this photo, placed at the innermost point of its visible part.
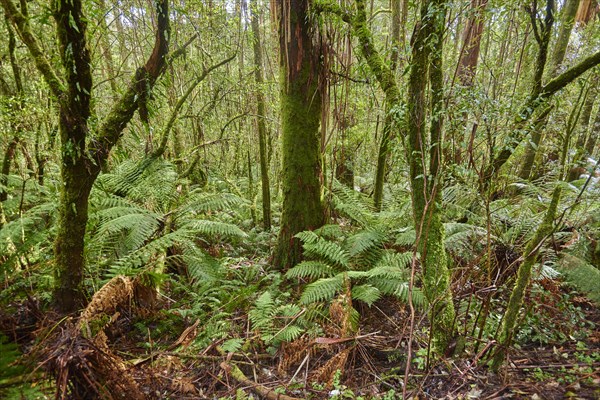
(582, 275)
(310, 269)
(329, 251)
(275, 321)
(366, 293)
(323, 289)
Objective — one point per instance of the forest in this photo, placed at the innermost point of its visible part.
(300, 199)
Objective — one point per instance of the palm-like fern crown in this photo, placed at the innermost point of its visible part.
(140, 216)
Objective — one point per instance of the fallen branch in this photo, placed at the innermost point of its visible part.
(261, 390)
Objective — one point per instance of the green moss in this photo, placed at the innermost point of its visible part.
(301, 169)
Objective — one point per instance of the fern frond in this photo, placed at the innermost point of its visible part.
(323, 289)
(406, 237)
(309, 237)
(365, 240)
(582, 275)
(331, 232)
(215, 228)
(328, 251)
(310, 269)
(366, 293)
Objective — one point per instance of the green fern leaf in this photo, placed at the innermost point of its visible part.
(310, 269)
(366, 293)
(323, 289)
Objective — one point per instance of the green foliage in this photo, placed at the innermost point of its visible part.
(360, 258)
(15, 376)
(276, 319)
(132, 225)
(582, 275)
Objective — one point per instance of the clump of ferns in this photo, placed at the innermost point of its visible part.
(142, 219)
(359, 261)
(26, 237)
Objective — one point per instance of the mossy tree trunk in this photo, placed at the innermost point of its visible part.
(585, 136)
(556, 60)
(426, 183)
(384, 145)
(260, 120)
(592, 139)
(427, 50)
(300, 147)
(520, 129)
(82, 154)
(17, 93)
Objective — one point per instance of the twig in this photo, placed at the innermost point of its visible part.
(261, 390)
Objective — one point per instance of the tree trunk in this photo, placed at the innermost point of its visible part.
(560, 47)
(587, 11)
(590, 144)
(426, 185)
(384, 146)
(467, 64)
(301, 114)
(586, 117)
(260, 120)
(509, 326)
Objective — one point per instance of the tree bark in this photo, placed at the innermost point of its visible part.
(426, 183)
(467, 64)
(301, 114)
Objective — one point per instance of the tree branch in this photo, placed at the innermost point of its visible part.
(167, 129)
(22, 26)
(122, 111)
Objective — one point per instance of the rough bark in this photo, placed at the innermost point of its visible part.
(467, 64)
(301, 114)
(260, 121)
(587, 11)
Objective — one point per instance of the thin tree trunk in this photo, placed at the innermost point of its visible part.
(467, 64)
(426, 185)
(260, 120)
(509, 326)
(590, 144)
(584, 136)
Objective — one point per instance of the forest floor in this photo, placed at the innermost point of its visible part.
(369, 364)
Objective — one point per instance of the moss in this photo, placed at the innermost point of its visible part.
(301, 116)
(301, 164)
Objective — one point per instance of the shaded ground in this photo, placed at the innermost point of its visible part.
(369, 364)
